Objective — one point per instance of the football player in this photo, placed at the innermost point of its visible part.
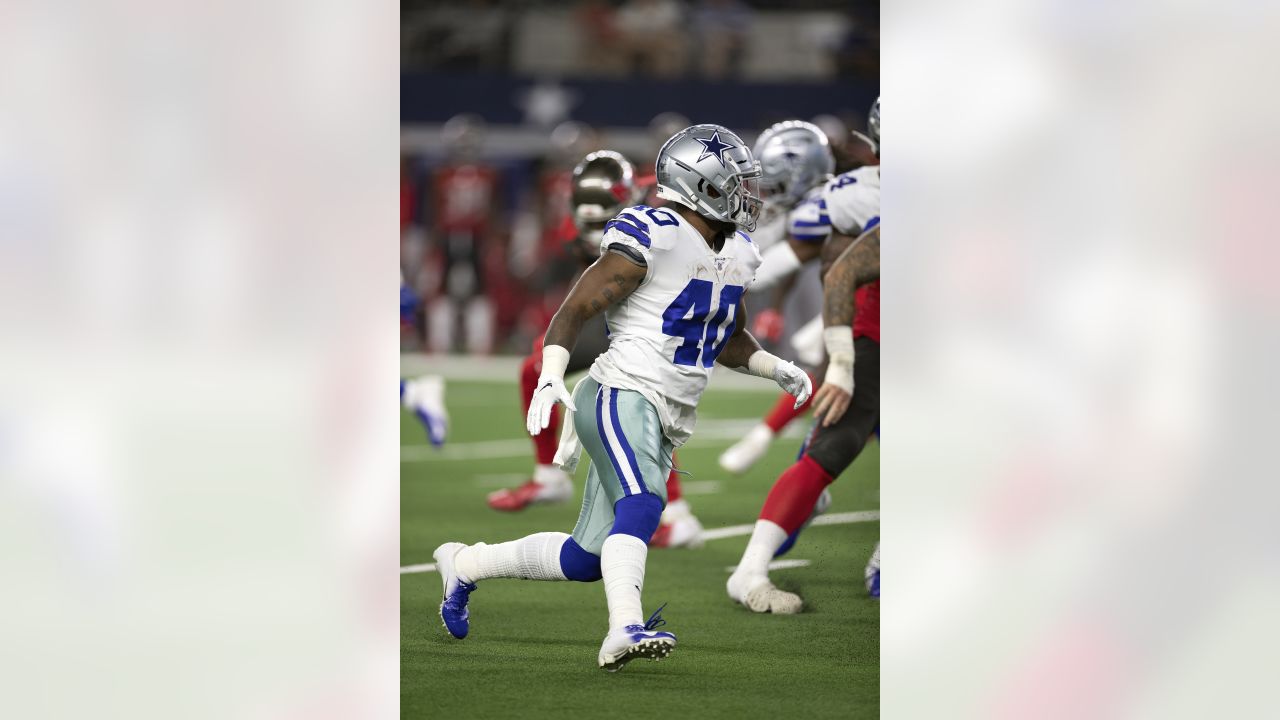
(423, 396)
(859, 192)
(796, 160)
(670, 283)
(603, 184)
(847, 412)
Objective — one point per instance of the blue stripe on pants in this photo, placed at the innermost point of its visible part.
(622, 440)
(604, 438)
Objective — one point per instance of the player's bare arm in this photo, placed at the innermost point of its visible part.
(741, 344)
(857, 265)
(805, 251)
(609, 280)
(741, 352)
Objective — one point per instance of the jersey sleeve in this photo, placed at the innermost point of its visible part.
(630, 231)
(850, 203)
(810, 222)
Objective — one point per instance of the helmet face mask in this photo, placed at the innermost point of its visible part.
(708, 169)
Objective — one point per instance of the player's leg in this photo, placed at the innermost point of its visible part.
(541, 556)
(679, 527)
(791, 501)
(424, 397)
(622, 433)
(548, 483)
(745, 453)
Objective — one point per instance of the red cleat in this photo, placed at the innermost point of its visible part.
(518, 498)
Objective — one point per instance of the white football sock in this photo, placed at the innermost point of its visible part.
(549, 475)
(622, 566)
(536, 557)
(766, 538)
(675, 510)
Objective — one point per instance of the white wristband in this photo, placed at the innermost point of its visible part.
(839, 342)
(554, 361)
(762, 364)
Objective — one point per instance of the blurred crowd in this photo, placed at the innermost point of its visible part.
(487, 252)
(622, 38)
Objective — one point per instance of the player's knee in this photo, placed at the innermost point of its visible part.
(834, 454)
(578, 564)
(637, 515)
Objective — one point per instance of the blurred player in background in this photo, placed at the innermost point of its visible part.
(839, 436)
(463, 206)
(423, 396)
(809, 229)
(670, 283)
(796, 161)
(601, 186)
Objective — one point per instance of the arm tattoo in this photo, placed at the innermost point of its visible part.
(593, 293)
(856, 266)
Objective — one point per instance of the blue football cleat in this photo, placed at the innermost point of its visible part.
(636, 641)
(453, 610)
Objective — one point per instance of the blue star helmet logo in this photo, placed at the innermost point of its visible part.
(713, 146)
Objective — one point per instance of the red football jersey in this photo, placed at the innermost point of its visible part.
(867, 321)
(464, 196)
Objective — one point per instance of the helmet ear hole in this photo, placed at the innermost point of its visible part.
(708, 188)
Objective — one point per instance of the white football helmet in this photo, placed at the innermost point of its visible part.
(709, 169)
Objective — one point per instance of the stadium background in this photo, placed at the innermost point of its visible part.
(498, 101)
(522, 90)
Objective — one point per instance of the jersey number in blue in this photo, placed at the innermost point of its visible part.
(687, 317)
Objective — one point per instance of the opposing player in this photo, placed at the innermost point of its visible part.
(859, 202)
(839, 436)
(602, 185)
(670, 282)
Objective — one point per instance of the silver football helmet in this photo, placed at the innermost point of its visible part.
(794, 156)
(708, 169)
(873, 126)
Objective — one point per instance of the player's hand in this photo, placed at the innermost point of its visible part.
(768, 325)
(551, 390)
(833, 398)
(830, 403)
(793, 380)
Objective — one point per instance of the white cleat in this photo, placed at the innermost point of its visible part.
(757, 594)
(679, 528)
(747, 452)
(631, 643)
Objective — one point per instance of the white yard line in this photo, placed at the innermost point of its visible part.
(708, 432)
(843, 518)
(699, 487)
(776, 565)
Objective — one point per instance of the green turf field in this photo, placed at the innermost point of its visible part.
(532, 648)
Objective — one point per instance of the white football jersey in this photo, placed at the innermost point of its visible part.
(853, 200)
(810, 221)
(664, 338)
